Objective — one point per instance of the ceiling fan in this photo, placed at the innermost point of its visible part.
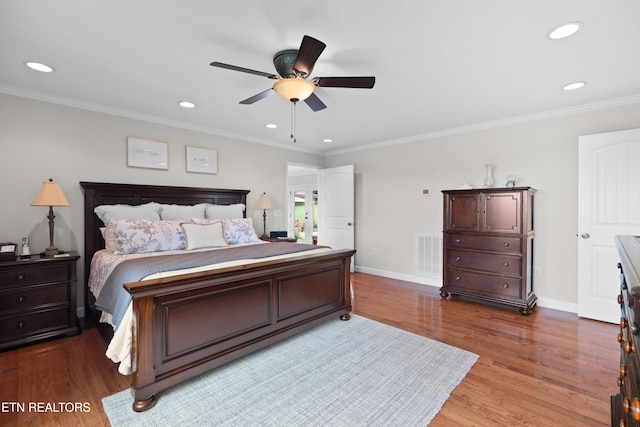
(293, 67)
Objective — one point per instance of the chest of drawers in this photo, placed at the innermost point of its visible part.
(37, 299)
(488, 246)
(625, 405)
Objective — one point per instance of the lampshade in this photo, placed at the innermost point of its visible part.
(264, 202)
(50, 195)
(294, 88)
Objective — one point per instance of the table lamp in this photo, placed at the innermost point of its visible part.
(50, 195)
(264, 203)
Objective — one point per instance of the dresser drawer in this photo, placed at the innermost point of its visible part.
(34, 275)
(483, 243)
(22, 325)
(501, 264)
(483, 284)
(30, 297)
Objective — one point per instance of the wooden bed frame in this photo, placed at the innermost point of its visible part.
(188, 324)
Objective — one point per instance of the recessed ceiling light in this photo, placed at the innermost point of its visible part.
(327, 140)
(38, 66)
(186, 104)
(564, 31)
(271, 125)
(574, 85)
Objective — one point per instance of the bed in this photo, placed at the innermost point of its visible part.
(186, 324)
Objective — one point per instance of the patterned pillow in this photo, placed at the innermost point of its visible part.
(239, 230)
(143, 236)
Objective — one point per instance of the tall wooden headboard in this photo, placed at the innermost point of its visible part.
(101, 193)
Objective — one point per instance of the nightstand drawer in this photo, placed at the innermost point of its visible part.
(36, 322)
(27, 298)
(34, 275)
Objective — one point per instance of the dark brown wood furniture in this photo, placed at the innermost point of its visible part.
(188, 324)
(488, 245)
(37, 299)
(625, 406)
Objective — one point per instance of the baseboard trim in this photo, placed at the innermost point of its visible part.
(436, 282)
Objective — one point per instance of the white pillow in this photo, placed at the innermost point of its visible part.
(203, 235)
(225, 211)
(239, 230)
(182, 212)
(112, 213)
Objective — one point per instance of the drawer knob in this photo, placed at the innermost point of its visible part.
(626, 404)
(20, 299)
(20, 325)
(636, 409)
(458, 258)
(21, 277)
(505, 285)
(506, 244)
(620, 384)
(623, 323)
(458, 277)
(620, 299)
(506, 264)
(458, 240)
(620, 338)
(628, 347)
(623, 371)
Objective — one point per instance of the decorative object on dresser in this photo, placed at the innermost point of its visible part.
(625, 406)
(488, 246)
(488, 180)
(50, 195)
(37, 299)
(264, 203)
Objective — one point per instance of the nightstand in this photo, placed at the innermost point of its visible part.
(279, 239)
(37, 299)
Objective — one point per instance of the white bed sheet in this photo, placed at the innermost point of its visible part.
(119, 349)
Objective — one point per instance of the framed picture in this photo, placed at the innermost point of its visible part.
(202, 160)
(145, 153)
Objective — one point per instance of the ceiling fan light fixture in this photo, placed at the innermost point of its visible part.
(564, 31)
(294, 89)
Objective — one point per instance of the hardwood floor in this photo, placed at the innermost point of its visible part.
(547, 369)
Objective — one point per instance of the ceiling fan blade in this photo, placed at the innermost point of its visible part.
(258, 97)
(308, 54)
(244, 70)
(314, 103)
(353, 82)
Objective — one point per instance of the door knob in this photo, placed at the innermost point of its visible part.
(349, 224)
(585, 235)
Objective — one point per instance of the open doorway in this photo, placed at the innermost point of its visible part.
(302, 208)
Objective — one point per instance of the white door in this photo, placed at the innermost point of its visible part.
(608, 205)
(336, 208)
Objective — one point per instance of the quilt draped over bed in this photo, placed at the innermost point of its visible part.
(115, 299)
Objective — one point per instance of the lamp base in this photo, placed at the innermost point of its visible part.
(51, 251)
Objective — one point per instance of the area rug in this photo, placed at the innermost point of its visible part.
(354, 373)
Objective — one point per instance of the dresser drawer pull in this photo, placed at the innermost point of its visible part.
(623, 371)
(506, 264)
(620, 338)
(458, 240)
(620, 299)
(20, 299)
(623, 323)
(626, 404)
(636, 409)
(458, 277)
(20, 277)
(621, 383)
(506, 244)
(20, 324)
(628, 347)
(505, 285)
(458, 258)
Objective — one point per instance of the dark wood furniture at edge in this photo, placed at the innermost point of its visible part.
(237, 310)
(625, 406)
(37, 299)
(488, 246)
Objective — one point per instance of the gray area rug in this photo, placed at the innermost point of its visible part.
(354, 373)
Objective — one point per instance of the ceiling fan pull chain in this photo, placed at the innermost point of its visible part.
(293, 121)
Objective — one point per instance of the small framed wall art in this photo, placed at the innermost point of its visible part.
(146, 153)
(202, 160)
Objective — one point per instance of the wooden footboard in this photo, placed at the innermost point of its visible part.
(186, 325)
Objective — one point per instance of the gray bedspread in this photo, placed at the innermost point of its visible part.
(115, 299)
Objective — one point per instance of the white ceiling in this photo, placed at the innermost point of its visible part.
(440, 65)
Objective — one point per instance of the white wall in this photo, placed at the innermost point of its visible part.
(390, 209)
(39, 140)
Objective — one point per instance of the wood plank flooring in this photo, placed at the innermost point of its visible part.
(547, 369)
